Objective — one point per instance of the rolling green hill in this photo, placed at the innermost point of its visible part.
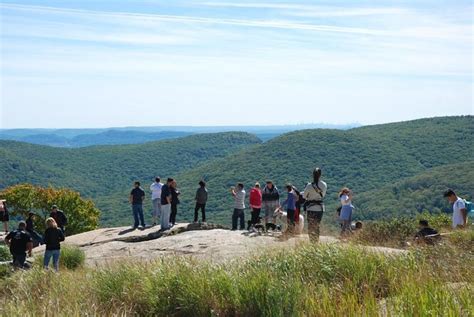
(364, 159)
(371, 160)
(106, 173)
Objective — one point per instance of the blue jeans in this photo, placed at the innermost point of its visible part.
(47, 256)
(138, 212)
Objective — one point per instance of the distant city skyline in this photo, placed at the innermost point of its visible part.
(99, 64)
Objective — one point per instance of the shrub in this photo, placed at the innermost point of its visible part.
(71, 258)
(81, 213)
(5, 254)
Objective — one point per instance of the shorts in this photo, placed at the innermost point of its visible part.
(269, 207)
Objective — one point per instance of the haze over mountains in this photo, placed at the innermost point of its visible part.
(134, 135)
(394, 169)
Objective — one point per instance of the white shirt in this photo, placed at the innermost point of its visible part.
(310, 193)
(239, 199)
(156, 190)
(345, 200)
(457, 214)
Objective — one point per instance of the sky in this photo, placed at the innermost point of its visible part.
(90, 64)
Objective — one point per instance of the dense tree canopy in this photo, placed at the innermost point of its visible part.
(81, 213)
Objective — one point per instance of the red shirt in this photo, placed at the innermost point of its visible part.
(255, 198)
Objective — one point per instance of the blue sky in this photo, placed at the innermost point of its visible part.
(73, 64)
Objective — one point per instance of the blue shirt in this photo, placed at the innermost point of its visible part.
(290, 202)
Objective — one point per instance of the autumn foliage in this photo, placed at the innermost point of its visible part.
(81, 213)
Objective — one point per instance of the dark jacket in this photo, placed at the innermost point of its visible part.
(270, 194)
(52, 238)
(201, 195)
(174, 196)
(60, 218)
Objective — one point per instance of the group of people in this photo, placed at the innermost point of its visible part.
(268, 200)
(22, 240)
(165, 201)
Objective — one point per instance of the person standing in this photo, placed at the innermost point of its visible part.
(19, 242)
(201, 200)
(136, 198)
(270, 201)
(30, 228)
(53, 236)
(239, 206)
(255, 200)
(290, 203)
(174, 202)
(166, 204)
(314, 194)
(459, 209)
(59, 217)
(345, 196)
(4, 216)
(155, 189)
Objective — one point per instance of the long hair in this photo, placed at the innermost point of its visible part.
(316, 176)
(51, 223)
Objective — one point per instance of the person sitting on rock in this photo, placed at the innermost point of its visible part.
(426, 234)
(30, 228)
(20, 242)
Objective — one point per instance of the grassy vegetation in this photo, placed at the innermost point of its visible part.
(323, 280)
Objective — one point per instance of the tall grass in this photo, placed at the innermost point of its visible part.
(325, 280)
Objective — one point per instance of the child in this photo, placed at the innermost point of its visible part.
(290, 203)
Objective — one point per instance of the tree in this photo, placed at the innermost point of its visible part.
(81, 213)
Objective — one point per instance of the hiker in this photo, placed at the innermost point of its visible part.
(459, 209)
(174, 202)
(52, 238)
(299, 203)
(155, 189)
(239, 206)
(314, 193)
(166, 204)
(30, 228)
(255, 200)
(270, 201)
(426, 234)
(19, 242)
(201, 200)
(345, 217)
(290, 203)
(59, 217)
(4, 216)
(136, 198)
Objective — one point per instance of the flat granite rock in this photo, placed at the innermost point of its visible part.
(203, 241)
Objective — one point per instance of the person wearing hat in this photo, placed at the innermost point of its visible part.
(59, 217)
(4, 216)
(314, 194)
(30, 228)
(19, 242)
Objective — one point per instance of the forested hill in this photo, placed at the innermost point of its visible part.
(365, 159)
(106, 173)
(370, 160)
